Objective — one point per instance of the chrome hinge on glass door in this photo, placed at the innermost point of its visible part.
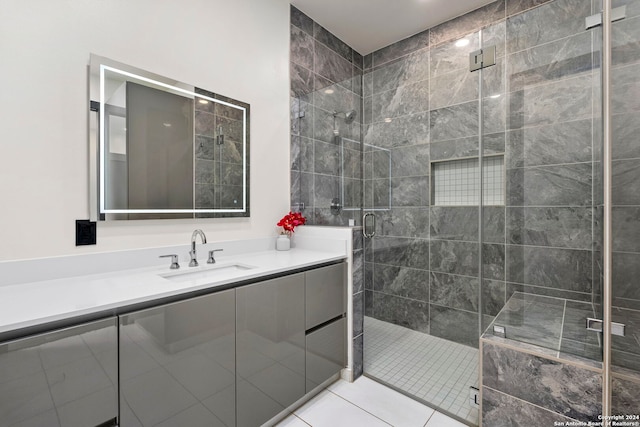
(482, 58)
(596, 325)
(369, 225)
(596, 20)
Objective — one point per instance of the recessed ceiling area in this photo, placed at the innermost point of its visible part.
(368, 25)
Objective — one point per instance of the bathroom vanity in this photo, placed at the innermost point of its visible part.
(234, 344)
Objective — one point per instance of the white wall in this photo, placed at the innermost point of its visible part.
(238, 48)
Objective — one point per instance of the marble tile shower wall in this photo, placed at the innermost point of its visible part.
(421, 105)
(326, 78)
(625, 194)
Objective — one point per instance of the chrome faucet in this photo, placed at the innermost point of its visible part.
(192, 252)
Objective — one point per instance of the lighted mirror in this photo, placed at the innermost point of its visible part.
(160, 148)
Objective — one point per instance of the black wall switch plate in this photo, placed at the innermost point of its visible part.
(85, 232)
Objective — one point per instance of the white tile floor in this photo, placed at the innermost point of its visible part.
(433, 369)
(365, 403)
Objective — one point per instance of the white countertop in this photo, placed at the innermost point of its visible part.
(37, 303)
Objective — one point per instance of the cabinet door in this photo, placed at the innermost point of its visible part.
(63, 378)
(326, 294)
(271, 348)
(326, 353)
(177, 363)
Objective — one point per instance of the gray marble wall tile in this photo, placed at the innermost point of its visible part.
(455, 325)
(368, 303)
(401, 252)
(358, 313)
(625, 88)
(398, 49)
(453, 149)
(495, 35)
(626, 229)
(624, 188)
(567, 142)
(453, 291)
(453, 88)
(493, 296)
(518, 6)
(501, 410)
(358, 271)
(621, 360)
(301, 80)
(358, 351)
(469, 22)
(624, 396)
(564, 100)
(409, 69)
(205, 171)
(331, 65)
(566, 185)
(300, 20)
(493, 224)
(566, 269)
(454, 257)
(558, 226)
(302, 189)
(404, 222)
(401, 311)
(358, 239)
(552, 61)
(493, 80)
(335, 98)
(324, 36)
(454, 122)
(410, 160)
(626, 128)
(327, 158)
(301, 118)
(325, 188)
(625, 272)
(570, 348)
(367, 84)
(493, 261)
(552, 21)
(410, 191)
(368, 61)
(232, 174)
(301, 154)
(406, 130)
(401, 281)
(448, 57)
(454, 223)
(381, 194)
(301, 48)
(403, 100)
(494, 115)
(358, 60)
(625, 41)
(559, 387)
(205, 196)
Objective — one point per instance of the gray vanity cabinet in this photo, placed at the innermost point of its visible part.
(325, 303)
(63, 378)
(177, 363)
(270, 348)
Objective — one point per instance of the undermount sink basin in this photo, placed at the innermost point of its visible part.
(206, 272)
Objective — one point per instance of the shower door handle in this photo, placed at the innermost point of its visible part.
(369, 225)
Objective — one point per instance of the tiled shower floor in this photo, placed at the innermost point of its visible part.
(436, 371)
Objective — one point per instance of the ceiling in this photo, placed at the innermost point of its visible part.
(368, 25)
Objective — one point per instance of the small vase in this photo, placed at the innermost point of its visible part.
(283, 243)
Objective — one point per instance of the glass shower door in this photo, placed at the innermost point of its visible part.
(625, 195)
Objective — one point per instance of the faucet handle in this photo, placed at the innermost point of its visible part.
(211, 259)
(174, 261)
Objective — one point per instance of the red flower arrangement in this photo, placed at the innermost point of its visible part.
(290, 221)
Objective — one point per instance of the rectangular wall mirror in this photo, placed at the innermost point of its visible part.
(160, 148)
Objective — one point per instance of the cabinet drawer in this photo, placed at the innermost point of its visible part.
(325, 353)
(325, 294)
